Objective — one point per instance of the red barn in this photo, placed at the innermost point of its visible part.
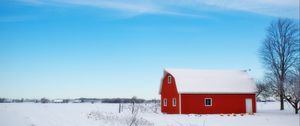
(186, 91)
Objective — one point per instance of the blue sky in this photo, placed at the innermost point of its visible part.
(119, 48)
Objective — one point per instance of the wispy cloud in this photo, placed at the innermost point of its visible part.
(277, 8)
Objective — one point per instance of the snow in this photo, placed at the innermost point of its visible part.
(100, 114)
(212, 81)
(58, 100)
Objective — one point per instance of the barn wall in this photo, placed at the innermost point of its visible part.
(169, 91)
(221, 103)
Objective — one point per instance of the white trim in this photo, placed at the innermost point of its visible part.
(174, 101)
(169, 79)
(207, 99)
(165, 102)
(179, 103)
(162, 81)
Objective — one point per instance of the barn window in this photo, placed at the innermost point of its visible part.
(169, 79)
(165, 102)
(174, 102)
(208, 101)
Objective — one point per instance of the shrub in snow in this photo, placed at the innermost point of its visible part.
(134, 120)
(104, 116)
(119, 119)
(142, 108)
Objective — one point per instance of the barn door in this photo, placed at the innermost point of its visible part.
(249, 105)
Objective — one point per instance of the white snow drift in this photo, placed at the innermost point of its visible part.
(86, 114)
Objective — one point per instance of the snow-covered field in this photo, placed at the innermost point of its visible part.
(98, 114)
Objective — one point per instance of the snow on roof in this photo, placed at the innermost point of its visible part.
(212, 81)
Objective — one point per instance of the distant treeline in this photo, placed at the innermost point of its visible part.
(122, 100)
(81, 100)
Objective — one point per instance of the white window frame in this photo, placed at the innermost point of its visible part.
(210, 101)
(165, 102)
(174, 102)
(169, 79)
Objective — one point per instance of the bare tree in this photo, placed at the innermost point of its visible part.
(260, 88)
(45, 100)
(279, 52)
(2, 100)
(293, 89)
(263, 89)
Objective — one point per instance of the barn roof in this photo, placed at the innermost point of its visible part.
(212, 81)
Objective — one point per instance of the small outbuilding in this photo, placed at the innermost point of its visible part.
(189, 91)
